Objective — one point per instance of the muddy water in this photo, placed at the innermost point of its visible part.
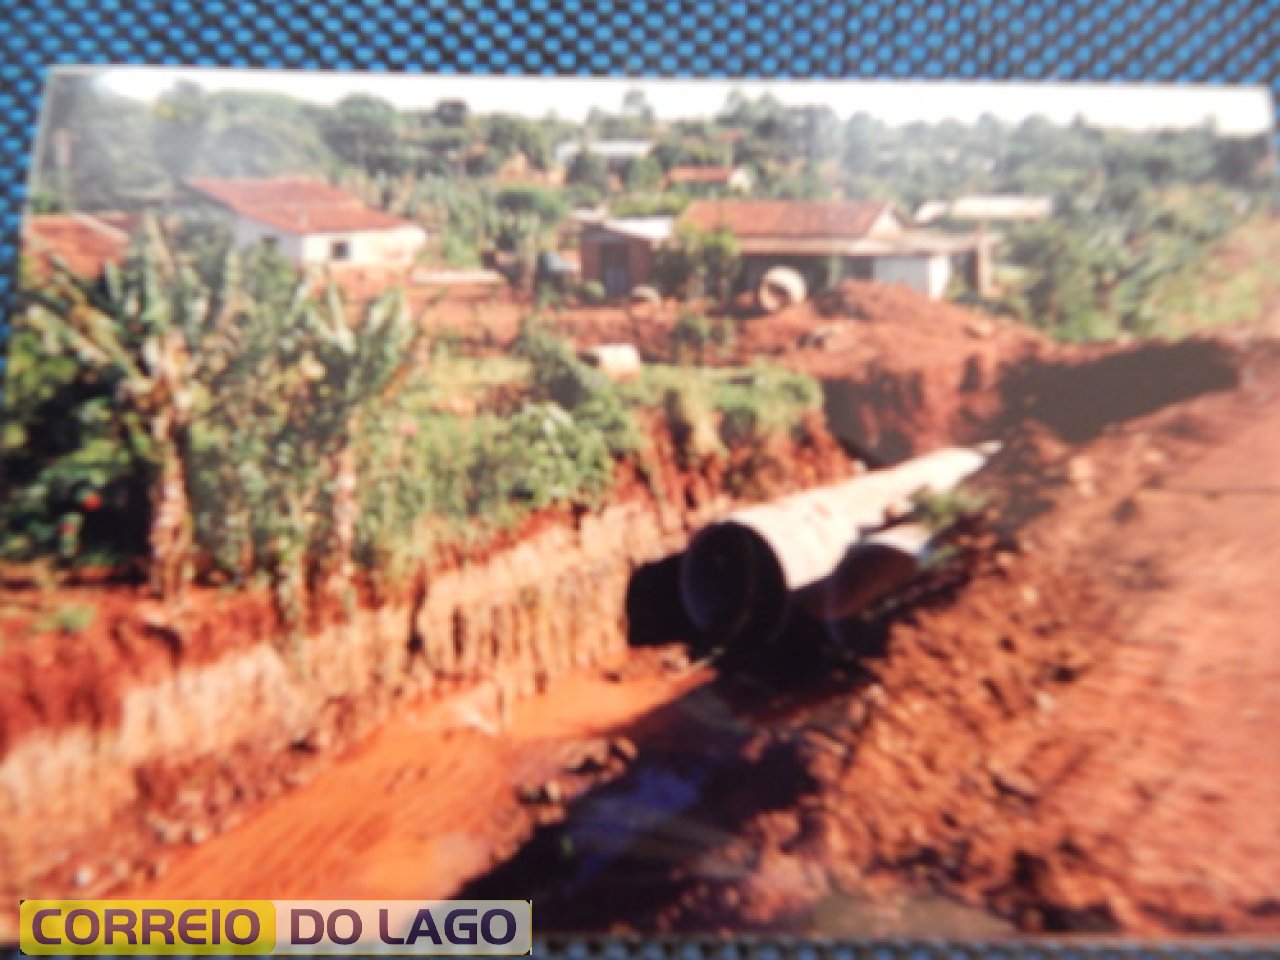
(427, 806)
(425, 803)
(623, 848)
(669, 846)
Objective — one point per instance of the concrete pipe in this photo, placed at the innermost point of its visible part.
(618, 361)
(740, 575)
(872, 569)
(781, 287)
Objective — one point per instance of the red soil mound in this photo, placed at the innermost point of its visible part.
(1074, 734)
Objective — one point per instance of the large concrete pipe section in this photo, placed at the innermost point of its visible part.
(872, 569)
(781, 287)
(829, 550)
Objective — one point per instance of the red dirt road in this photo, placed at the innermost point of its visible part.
(1084, 737)
(1183, 781)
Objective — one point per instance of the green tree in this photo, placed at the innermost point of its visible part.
(180, 116)
(589, 170)
(697, 262)
(525, 216)
(97, 150)
(131, 334)
(365, 131)
(231, 396)
(644, 176)
(507, 134)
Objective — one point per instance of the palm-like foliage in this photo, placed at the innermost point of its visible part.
(232, 399)
(130, 334)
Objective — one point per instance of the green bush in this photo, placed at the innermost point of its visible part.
(69, 619)
(650, 205)
(692, 419)
(590, 396)
(592, 292)
(696, 337)
(765, 401)
(943, 510)
(691, 337)
(698, 262)
(459, 252)
(543, 455)
(429, 477)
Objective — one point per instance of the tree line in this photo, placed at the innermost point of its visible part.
(1132, 208)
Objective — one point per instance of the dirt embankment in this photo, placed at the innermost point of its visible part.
(180, 719)
(1072, 730)
(902, 375)
(1079, 738)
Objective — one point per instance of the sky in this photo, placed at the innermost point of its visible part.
(1236, 110)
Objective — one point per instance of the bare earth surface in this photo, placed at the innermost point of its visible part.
(1083, 737)
(1073, 730)
(422, 805)
(1182, 783)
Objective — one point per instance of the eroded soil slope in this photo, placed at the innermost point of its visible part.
(1076, 733)
(1072, 729)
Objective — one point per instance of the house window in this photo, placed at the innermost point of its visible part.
(340, 250)
(271, 243)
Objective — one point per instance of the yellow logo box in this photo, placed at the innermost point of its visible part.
(259, 927)
(124, 927)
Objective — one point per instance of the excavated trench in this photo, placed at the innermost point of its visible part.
(656, 848)
(547, 606)
(667, 847)
(178, 720)
(735, 816)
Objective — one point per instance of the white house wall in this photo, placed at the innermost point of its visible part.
(888, 224)
(924, 274)
(249, 233)
(394, 247)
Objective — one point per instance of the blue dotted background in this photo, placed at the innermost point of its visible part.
(1214, 41)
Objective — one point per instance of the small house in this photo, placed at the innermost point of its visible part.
(618, 253)
(709, 181)
(983, 209)
(310, 222)
(819, 241)
(84, 242)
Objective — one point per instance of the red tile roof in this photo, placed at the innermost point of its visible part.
(86, 243)
(786, 219)
(716, 175)
(295, 204)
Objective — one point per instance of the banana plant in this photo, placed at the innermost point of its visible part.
(243, 395)
(351, 368)
(135, 330)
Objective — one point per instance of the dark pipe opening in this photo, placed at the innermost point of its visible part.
(655, 612)
(733, 586)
